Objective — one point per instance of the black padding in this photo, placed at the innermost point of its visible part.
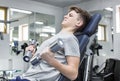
(117, 70)
(63, 78)
(83, 41)
(91, 28)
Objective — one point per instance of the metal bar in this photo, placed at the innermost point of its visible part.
(88, 66)
(8, 22)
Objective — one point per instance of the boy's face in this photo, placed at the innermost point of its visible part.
(71, 19)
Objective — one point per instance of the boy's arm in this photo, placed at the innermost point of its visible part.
(70, 70)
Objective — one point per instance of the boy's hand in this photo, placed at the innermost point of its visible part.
(47, 55)
(31, 48)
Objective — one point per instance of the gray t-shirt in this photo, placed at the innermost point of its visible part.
(45, 72)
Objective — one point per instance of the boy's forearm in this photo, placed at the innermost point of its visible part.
(67, 70)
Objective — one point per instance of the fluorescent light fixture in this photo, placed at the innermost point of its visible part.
(53, 34)
(21, 11)
(48, 30)
(48, 27)
(37, 22)
(109, 9)
(43, 35)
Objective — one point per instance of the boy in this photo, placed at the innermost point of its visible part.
(67, 60)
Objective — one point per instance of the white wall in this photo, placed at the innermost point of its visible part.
(4, 52)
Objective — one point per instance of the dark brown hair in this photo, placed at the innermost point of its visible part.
(84, 15)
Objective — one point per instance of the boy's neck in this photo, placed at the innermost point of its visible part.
(67, 29)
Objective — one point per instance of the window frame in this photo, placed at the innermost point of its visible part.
(5, 18)
(103, 29)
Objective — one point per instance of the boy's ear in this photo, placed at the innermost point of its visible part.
(79, 23)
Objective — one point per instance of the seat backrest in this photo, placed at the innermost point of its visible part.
(83, 39)
(89, 30)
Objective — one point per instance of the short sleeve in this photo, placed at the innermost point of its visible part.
(71, 47)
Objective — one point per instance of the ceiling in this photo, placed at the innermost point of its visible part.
(61, 3)
(58, 3)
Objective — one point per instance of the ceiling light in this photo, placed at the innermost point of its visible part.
(39, 22)
(43, 35)
(21, 11)
(48, 30)
(109, 9)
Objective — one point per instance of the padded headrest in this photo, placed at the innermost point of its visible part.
(90, 29)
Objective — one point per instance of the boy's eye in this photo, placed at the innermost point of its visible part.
(70, 15)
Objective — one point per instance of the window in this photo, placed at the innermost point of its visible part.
(3, 18)
(101, 32)
(23, 32)
(118, 19)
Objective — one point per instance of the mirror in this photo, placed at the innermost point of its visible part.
(42, 28)
(26, 25)
(31, 26)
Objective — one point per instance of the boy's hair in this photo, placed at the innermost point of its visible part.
(84, 15)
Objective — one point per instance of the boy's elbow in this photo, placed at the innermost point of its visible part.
(74, 76)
